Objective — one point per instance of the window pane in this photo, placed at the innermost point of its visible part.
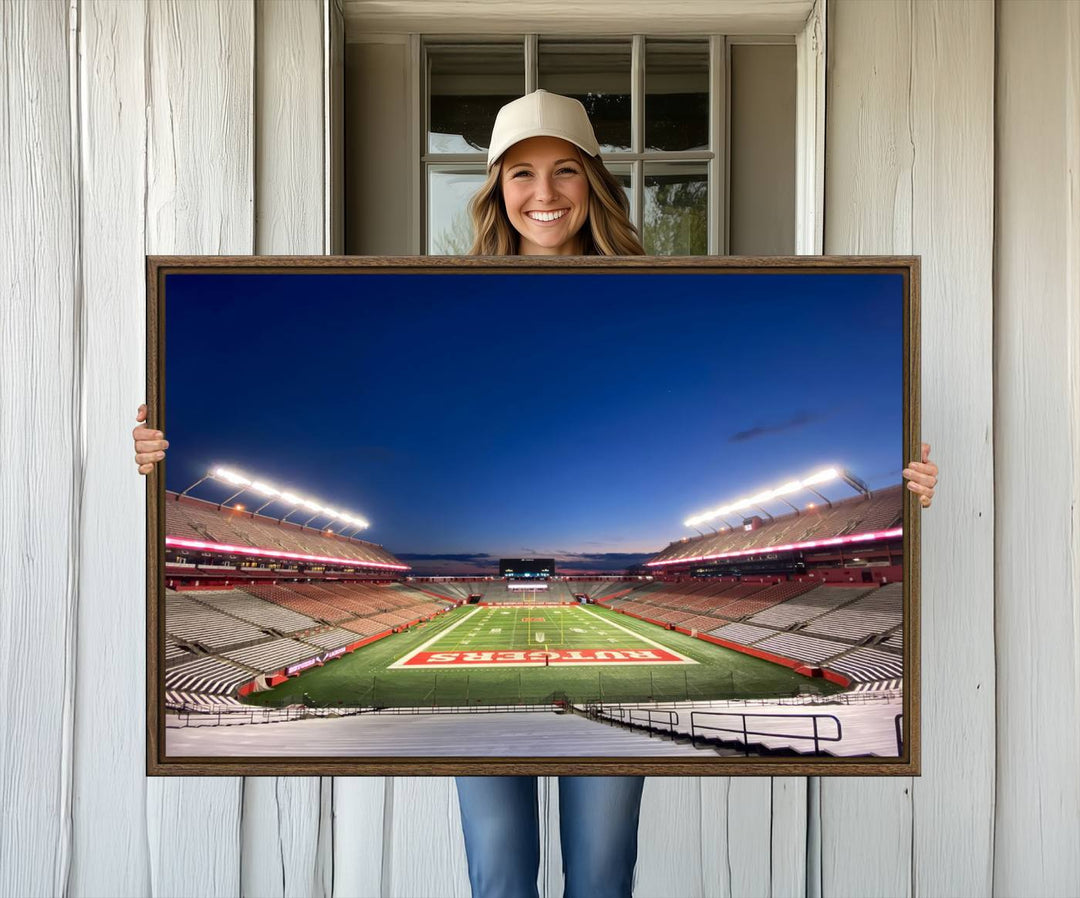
(676, 95)
(624, 176)
(597, 74)
(676, 209)
(762, 197)
(450, 231)
(466, 86)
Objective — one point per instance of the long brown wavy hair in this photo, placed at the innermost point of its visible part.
(607, 231)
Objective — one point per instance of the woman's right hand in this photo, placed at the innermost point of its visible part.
(150, 445)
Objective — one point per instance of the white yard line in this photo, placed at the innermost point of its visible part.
(638, 636)
(401, 661)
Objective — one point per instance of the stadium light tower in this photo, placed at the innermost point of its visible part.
(273, 494)
(780, 492)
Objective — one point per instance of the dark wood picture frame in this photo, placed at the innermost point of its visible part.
(907, 763)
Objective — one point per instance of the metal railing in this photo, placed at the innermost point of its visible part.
(635, 717)
(204, 715)
(746, 732)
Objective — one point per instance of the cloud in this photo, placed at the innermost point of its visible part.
(799, 419)
(599, 562)
(463, 556)
(484, 564)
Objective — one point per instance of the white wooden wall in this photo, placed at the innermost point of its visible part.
(198, 127)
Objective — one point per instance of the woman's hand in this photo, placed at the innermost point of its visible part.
(150, 445)
(921, 477)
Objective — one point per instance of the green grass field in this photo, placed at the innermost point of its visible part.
(398, 670)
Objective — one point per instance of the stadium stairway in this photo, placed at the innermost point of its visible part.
(867, 726)
(492, 734)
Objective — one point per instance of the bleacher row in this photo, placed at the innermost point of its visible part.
(855, 631)
(217, 640)
(195, 519)
(847, 517)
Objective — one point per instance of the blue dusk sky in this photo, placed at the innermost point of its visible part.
(580, 416)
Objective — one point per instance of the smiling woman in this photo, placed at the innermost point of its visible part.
(546, 196)
(547, 190)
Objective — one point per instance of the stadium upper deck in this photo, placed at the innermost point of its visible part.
(195, 523)
(881, 512)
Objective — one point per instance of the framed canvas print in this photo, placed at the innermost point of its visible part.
(440, 515)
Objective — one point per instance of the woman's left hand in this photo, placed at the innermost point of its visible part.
(921, 477)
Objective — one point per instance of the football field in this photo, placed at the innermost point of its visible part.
(515, 654)
(537, 636)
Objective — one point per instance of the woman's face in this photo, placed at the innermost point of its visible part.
(546, 195)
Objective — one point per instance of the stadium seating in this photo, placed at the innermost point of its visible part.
(268, 657)
(855, 515)
(612, 590)
(877, 612)
(308, 599)
(174, 651)
(454, 591)
(766, 598)
(329, 638)
(744, 634)
(802, 648)
(263, 614)
(193, 621)
(895, 640)
(807, 606)
(363, 627)
(196, 519)
(867, 664)
(210, 676)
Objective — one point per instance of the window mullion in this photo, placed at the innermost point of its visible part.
(717, 185)
(422, 232)
(637, 128)
(532, 63)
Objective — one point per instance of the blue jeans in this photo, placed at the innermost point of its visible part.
(598, 822)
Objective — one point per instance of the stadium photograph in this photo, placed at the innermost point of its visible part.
(481, 514)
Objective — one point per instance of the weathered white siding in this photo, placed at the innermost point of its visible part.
(200, 199)
(109, 813)
(41, 446)
(909, 149)
(1037, 450)
(134, 127)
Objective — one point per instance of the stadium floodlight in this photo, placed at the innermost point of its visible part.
(821, 477)
(273, 494)
(264, 488)
(231, 477)
(792, 486)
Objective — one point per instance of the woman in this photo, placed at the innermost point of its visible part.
(548, 193)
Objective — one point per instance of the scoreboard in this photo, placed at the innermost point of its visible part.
(527, 568)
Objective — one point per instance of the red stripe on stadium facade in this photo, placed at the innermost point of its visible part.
(177, 542)
(812, 544)
(532, 658)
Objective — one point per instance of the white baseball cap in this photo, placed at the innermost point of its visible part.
(541, 114)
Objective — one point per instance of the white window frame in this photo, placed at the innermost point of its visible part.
(809, 40)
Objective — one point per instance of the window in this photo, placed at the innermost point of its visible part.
(660, 108)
